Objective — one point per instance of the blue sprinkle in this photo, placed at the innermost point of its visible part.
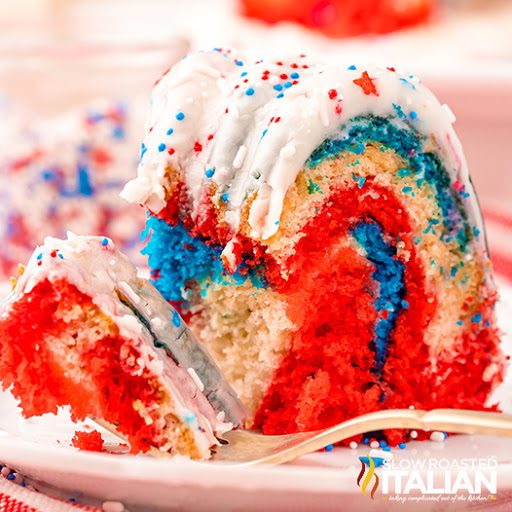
(249, 91)
(40, 256)
(170, 131)
(264, 132)
(405, 304)
(143, 150)
(224, 197)
(72, 500)
(407, 190)
(413, 115)
(280, 95)
(60, 256)
(352, 68)
(382, 443)
(278, 87)
(161, 147)
(287, 85)
(294, 75)
(84, 181)
(487, 323)
(244, 74)
(104, 242)
(476, 231)
(209, 173)
(477, 318)
(190, 417)
(176, 320)
(11, 476)
(399, 111)
(386, 448)
(118, 132)
(48, 175)
(180, 116)
(366, 440)
(459, 322)
(239, 63)
(402, 446)
(329, 448)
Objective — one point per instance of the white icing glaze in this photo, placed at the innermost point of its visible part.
(250, 151)
(98, 269)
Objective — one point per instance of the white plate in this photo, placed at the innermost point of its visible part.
(39, 448)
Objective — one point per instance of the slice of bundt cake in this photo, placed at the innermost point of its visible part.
(81, 329)
(317, 226)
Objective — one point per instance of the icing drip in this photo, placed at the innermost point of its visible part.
(250, 127)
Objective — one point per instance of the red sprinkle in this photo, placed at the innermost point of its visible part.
(333, 93)
(366, 84)
(170, 151)
(283, 76)
(198, 147)
(392, 69)
(210, 137)
(277, 119)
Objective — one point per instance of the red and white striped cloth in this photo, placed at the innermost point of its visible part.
(14, 498)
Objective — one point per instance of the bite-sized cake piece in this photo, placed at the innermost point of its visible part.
(65, 173)
(342, 18)
(317, 225)
(81, 329)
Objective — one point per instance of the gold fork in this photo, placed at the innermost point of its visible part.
(249, 448)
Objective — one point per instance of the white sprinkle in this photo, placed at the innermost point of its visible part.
(353, 445)
(129, 292)
(438, 437)
(179, 80)
(288, 151)
(196, 378)
(411, 406)
(208, 71)
(449, 112)
(381, 454)
(374, 444)
(112, 506)
(413, 434)
(233, 110)
(240, 157)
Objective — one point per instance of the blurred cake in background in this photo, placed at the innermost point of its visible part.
(65, 173)
(342, 18)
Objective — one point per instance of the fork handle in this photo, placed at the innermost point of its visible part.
(458, 421)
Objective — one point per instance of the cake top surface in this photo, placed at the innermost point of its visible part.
(249, 127)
